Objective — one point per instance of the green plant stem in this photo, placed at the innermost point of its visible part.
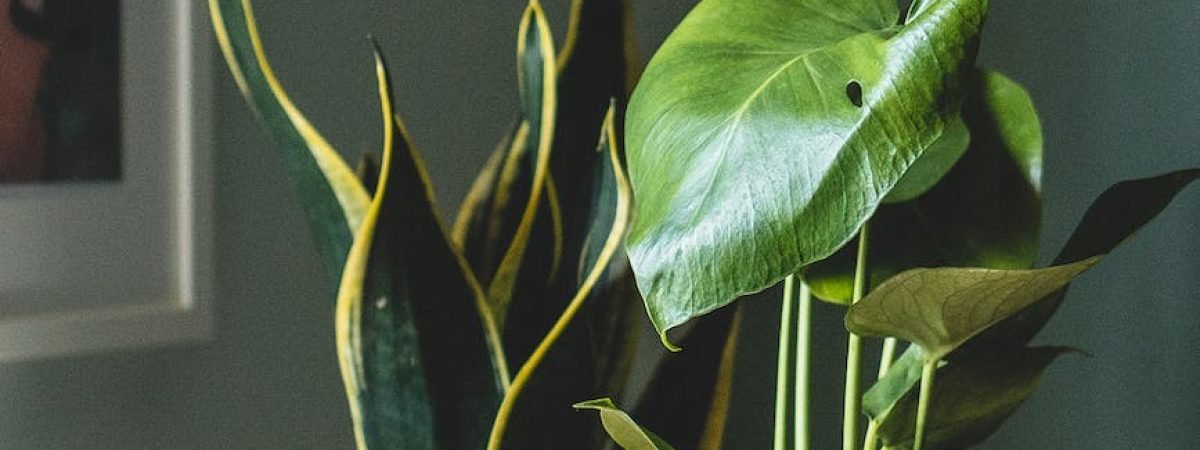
(782, 376)
(852, 403)
(927, 374)
(803, 356)
(886, 355)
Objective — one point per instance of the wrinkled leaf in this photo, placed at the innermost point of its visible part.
(687, 399)
(334, 201)
(940, 309)
(536, 412)
(970, 400)
(985, 213)
(1114, 216)
(420, 357)
(623, 430)
(768, 131)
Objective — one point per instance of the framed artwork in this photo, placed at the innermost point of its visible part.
(105, 177)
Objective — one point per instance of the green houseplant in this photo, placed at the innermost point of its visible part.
(529, 274)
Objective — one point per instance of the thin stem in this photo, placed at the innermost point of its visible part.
(803, 349)
(852, 403)
(782, 375)
(927, 374)
(886, 355)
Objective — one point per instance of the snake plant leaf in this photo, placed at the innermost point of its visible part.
(419, 355)
(333, 200)
(537, 77)
(624, 431)
(986, 212)
(902, 377)
(598, 62)
(971, 398)
(1115, 215)
(536, 412)
(687, 399)
(764, 133)
(940, 309)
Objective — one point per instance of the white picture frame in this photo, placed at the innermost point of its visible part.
(94, 266)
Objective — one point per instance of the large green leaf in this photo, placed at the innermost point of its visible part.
(536, 412)
(687, 399)
(986, 212)
(420, 356)
(1119, 212)
(333, 199)
(940, 309)
(624, 431)
(970, 400)
(764, 133)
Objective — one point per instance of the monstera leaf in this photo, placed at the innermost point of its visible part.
(986, 212)
(334, 201)
(764, 133)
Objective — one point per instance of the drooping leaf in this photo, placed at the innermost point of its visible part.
(986, 212)
(902, 377)
(768, 131)
(940, 309)
(333, 199)
(970, 400)
(687, 399)
(623, 430)
(1119, 212)
(536, 412)
(419, 354)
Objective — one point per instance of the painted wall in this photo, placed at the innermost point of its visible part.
(1116, 84)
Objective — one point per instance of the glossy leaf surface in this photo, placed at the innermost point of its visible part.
(764, 133)
(333, 199)
(940, 309)
(986, 212)
(419, 355)
(623, 430)
(970, 400)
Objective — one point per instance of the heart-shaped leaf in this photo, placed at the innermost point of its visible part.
(764, 133)
(940, 309)
(970, 400)
(624, 431)
(985, 213)
(333, 199)
(419, 353)
(535, 411)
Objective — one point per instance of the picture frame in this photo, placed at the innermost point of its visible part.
(93, 266)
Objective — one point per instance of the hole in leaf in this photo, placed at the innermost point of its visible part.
(854, 92)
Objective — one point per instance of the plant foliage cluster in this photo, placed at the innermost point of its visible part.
(852, 149)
